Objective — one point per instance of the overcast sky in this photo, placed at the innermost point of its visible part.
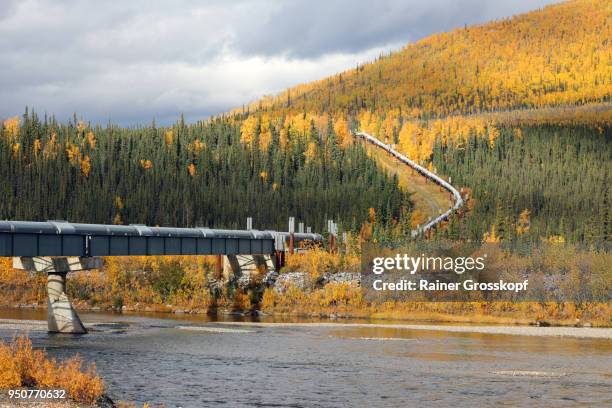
(132, 61)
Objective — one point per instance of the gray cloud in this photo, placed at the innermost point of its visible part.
(138, 60)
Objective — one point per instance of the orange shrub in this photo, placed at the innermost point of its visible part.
(22, 366)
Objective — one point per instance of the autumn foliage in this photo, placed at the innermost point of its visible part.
(22, 366)
(557, 55)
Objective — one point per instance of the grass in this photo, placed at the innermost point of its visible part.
(22, 366)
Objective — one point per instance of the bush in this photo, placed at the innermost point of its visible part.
(22, 366)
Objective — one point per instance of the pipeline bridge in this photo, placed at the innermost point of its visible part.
(59, 247)
(432, 223)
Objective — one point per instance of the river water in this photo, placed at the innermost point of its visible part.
(193, 362)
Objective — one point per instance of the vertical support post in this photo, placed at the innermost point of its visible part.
(332, 228)
(61, 317)
(291, 232)
(219, 266)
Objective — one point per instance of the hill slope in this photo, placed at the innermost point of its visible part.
(483, 104)
(557, 55)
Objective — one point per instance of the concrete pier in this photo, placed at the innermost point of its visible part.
(61, 316)
(239, 265)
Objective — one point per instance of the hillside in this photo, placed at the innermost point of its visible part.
(554, 56)
(499, 104)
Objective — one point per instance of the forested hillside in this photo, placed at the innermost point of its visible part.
(198, 175)
(554, 56)
(551, 181)
(518, 110)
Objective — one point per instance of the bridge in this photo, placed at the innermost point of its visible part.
(59, 247)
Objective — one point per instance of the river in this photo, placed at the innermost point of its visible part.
(190, 361)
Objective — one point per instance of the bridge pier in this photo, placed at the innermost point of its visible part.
(238, 265)
(61, 316)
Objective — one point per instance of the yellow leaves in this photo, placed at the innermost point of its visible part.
(117, 219)
(16, 147)
(416, 140)
(342, 132)
(315, 262)
(311, 152)
(118, 202)
(248, 130)
(169, 137)
(74, 154)
(372, 215)
(268, 300)
(36, 147)
(192, 170)
(22, 366)
(340, 294)
(557, 56)
(81, 385)
(298, 125)
(197, 146)
(417, 218)
(518, 133)
(263, 175)
(75, 158)
(556, 239)
(491, 237)
(523, 223)
(51, 146)
(408, 142)
(274, 186)
(284, 137)
(369, 123)
(390, 124)
(493, 134)
(11, 127)
(265, 135)
(86, 166)
(81, 126)
(249, 127)
(9, 377)
(146, 164)
(241, 301)
(91, 140)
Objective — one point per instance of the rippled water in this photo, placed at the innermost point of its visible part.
(162, 360)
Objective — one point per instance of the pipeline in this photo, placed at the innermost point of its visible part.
(426, 173)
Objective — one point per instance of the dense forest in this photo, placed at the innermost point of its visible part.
(550, 181)
(198, 175)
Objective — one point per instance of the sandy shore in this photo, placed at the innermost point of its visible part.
(582, 332)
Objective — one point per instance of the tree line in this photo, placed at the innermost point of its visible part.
(188, 175)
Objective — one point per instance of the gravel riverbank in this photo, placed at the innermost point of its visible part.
(582, 332)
